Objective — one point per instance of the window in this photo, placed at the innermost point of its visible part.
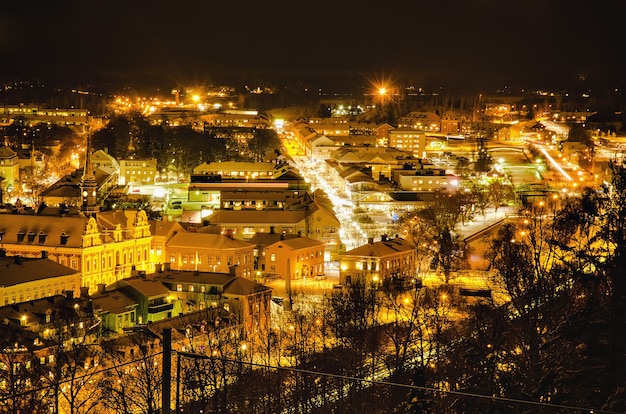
(179, 288)
(273, 257)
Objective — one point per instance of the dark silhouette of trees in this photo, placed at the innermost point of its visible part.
(134, 381)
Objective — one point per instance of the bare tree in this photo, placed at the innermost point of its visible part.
(133, 381)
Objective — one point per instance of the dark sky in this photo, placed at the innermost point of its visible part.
(482, 43)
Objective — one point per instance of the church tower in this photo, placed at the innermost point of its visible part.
(88, 185)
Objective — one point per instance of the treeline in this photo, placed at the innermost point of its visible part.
(179, 148)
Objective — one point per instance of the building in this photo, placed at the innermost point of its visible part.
(103, 248)
(425, 121)
(429, 180)
(312, 220)
(138, 172)
(68, 190)
(102, 158)
(9, 171)
(247, 302)
(25, 279)
(408, 139)
(331, 127)
(191, 251)
(152, 299)
(161, 232)
(117, 311)
(170, 293)
(293, 258)
(236, 169)
(388, 261)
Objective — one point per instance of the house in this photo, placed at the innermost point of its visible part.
(247, 302)
(171, 293)
(102, 158)
(319, 147)
(388, 261)
(151, 296)
(293, 258)
(117, 311)
(261, 241)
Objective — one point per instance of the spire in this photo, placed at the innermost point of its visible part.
(88, 185)
(88, 168)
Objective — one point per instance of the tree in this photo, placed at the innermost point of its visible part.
(22, 390)
(499, 193)
(134, 381)
(264, 141)
(450, 254)
(76, 354)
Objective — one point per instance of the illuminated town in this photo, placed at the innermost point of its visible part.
(170, 252)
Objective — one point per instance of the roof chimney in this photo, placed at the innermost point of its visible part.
(84, 291)
(234, 271)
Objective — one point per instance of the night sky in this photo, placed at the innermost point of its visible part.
(483, 43)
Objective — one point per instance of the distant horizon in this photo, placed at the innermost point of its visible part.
(337, 82)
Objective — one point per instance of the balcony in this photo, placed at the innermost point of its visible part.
(164, 307)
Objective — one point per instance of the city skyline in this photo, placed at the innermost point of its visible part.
(478, 44)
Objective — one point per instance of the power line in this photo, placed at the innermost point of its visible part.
(330, 375)
(408, 386)
(79, 377)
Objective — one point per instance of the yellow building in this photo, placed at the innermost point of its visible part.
(9, 171)
(104, 247)
(138, 172)
(161, 232)
(24, 279)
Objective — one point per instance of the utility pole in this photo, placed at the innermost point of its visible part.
(167, 371)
